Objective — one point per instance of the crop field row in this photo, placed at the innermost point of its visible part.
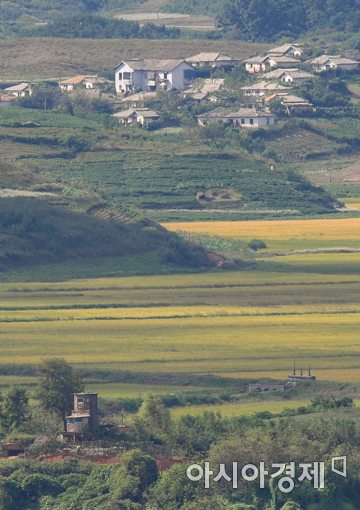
(202, 344)
(240, 408)
(333, 229)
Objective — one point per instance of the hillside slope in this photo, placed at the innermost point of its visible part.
(34, 232)
(164, 174)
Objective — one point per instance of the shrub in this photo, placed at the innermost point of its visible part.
(257, 244)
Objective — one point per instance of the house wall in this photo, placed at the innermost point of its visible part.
(256, 122)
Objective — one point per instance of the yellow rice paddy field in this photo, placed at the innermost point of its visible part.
(343, 229)
(246, 323)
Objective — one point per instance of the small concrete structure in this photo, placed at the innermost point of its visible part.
(295, 377)
(83, 421)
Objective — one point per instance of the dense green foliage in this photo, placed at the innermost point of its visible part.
(58, 381)
(35, 232)
(133, 482)
(271, 19)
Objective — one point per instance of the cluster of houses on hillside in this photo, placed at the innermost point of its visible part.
(272, 76)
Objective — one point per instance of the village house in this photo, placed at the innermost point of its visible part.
(20, 90)
(286, 50)
(252, 118)
(291, 103)
(283, 62)
(333, 62)
(205, 89)
(257, 64)
(6, 100)
(151, 75)
(133, 117)
(294, 76)
(262, 88)
(138, 99)
(243, 118)
(211, 59)
(83, 82)
(267, 62)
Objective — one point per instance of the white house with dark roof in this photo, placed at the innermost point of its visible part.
(211, 59)
(151, 75)
(333, 62)
(242, 118)
(295, 76)
(20, 90)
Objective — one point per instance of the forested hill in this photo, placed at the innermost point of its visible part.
(272, 19)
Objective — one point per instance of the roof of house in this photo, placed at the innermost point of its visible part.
(146, 113)
(5, 98)
(75, 80)
(143, 112)
(250, 113)
(258, 59)
(139, 96)
(18, 88)
(294, 73)
(78, 415)
(338, 59)
(265, 85)
(208, 57)
(282, 59)
(290, 99)
(214, 114)
(198, 96)
(281, 50)
(152, 64)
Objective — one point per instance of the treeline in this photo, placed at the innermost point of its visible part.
(98, 27)
(266, 20)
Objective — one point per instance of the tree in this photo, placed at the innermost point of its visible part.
(155, 416)
(58, 382)
(134, 473)
(15, 408)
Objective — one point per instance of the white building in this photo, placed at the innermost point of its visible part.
(151, 75)
(21, 90)
(83, 82)
(295, 76)
(262, 88)
(333, 62)
(243, 118)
